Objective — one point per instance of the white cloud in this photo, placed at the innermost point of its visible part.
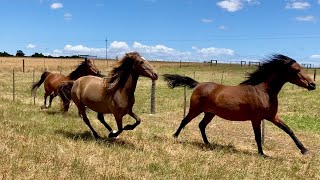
(31, 46)
(222, 27)
(56, 6)
(297, 5)
(67, 16)
(205, 20)
(236, 5)
(119, 45)
(212, 51)
(154, 52)
(306, 18)
(315, 56)
(231, 5)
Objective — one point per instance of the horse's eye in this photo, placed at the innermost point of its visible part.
(141, 62)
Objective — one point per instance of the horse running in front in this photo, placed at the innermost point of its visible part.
(112, 95)
(53, 80)
(255, 99)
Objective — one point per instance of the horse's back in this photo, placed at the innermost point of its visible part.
(53, 80)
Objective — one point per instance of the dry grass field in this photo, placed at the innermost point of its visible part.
(36, 144)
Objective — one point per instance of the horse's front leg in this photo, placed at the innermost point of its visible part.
(278, 122)
(120, 129)
(132, 126)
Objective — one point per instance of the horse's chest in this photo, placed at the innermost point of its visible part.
(123, 100)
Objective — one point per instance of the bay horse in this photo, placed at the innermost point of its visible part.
(53, 80)
(111, 95)
(254, 99)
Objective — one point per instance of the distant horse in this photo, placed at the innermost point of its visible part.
(53, 80)
(255, 99)
(111, 95)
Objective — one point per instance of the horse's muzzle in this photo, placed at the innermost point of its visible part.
(154, 76)
(312, 86)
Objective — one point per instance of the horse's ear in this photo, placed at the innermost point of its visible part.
(86, 60)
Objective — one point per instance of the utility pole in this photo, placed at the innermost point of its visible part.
(106, 48)
(107, 51)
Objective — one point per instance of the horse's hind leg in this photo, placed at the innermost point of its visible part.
(257, 134)
(50, 99)
(203, 124)
(44, 106)
(132, 126)
(191, 115)
(101, 119)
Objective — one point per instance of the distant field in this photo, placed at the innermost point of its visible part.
(37, 144)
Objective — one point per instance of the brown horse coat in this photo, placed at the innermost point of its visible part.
(51, 81)
(255, 99)
(112, 95)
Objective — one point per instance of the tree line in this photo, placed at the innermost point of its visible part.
(20, 53)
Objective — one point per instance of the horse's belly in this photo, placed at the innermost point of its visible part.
(239, 113)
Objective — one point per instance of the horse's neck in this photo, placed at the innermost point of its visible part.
(129, 86)
(272, 86)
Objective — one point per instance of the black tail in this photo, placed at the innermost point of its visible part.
(64, 91)
(175, 80)
(36, 85)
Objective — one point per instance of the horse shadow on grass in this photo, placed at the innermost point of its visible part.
(87, 137)
(230, 149)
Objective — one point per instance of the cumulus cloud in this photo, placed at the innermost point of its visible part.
(212, 51)
(315, 56)
(306, 18)
(31, 46)
(154, 52)
(297, 5)
(56, 6)
(235, 5)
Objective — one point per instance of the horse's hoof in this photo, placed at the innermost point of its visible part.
(43, 107)
(113, 135)
(305, 151)
(128, 127)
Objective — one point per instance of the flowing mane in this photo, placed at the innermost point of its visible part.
(275, 64)
(120, 73)
(80, 70)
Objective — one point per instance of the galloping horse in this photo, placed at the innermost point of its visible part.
(112, 95)
(255, 99)
(53, 80)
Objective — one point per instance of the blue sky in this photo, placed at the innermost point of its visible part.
(192, 30)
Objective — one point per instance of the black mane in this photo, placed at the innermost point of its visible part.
(120, 73)
(275, 64)
(78, 72)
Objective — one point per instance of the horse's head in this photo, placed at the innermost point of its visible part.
(141, 66)
(90, 69)
(297, 75)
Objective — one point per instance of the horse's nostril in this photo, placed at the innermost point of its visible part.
(312, 86)
(155, 75)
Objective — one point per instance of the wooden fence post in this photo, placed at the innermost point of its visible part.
(315, 74)
(34, 96)
(184, 102)
(13, 86)
(153, 96)
(23, 65)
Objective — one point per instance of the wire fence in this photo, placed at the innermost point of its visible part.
(16, 81)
